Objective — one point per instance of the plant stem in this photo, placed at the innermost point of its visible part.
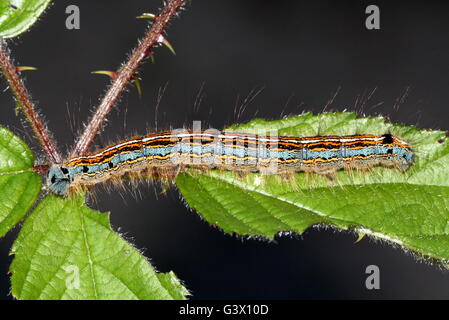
(124, 75)
(23, 98)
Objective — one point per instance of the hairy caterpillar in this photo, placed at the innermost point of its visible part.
(177, 150)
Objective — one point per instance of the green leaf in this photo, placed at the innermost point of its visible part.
(67, 251)
(17, 16)
(410, 209)
(19, 186)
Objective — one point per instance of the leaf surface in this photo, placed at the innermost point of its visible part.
(19, 186)
(66, 250)
(410, 209)
(17, 16)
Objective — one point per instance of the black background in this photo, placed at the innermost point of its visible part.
(301, 53)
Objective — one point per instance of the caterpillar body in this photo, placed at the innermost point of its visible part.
(242, 152)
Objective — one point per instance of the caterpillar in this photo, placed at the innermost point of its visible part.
(178, 150)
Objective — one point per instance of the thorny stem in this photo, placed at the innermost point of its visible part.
(23, 98)
(124, 75)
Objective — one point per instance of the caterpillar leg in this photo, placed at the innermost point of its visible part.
(329, 173)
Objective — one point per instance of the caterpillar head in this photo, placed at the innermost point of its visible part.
(59, 179)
